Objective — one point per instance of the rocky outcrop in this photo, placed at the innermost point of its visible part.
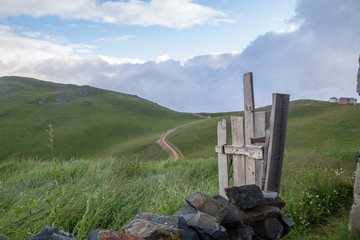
(248, 214)
(42, 101)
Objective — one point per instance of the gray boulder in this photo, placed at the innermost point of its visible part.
(242, 233)
(232, 219)
(246, 197)
(51, 233)
(287, 223)
(208, 205)
(273, 199)
(176, 222)
(269, 228)
(103, 234)
(206, 227)
(254, 215)
(186, 212)
(150, 230)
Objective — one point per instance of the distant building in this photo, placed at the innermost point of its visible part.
(353, 101)
(333, 100)
(346, 100)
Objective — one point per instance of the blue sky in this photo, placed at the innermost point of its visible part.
(186, 55)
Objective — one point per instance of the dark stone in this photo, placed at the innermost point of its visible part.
(42, 101)
(206, 227)
(51, 233)
(170, 221)
(287, 224)
(232, 219)
(63, 97)
(269, 228)
(177, 222)
(102, 234)
(56, 236)
(246, 197)
(150, 230)
(186, 212)
(258, 237)
(270, 196)
(253, 215)
(242, 233)
(2, 238)
(208, 205)
(273, 199)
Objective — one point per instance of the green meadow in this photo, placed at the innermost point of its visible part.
(95, 123)
(104, 166)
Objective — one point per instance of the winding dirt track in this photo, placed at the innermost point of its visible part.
(173, 151)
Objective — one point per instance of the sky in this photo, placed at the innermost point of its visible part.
(186, 55)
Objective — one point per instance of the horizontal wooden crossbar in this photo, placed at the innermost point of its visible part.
(256, 152)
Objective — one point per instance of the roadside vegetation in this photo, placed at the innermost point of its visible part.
(85, 179)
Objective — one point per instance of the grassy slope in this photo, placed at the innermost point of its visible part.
(322, 143)
(101, 123)
(312, 125)
(322, 140)
(81, 195)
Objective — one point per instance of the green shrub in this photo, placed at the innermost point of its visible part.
(320, 195)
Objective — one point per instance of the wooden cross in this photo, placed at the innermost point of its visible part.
(251, 139)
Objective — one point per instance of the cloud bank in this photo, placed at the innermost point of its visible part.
(169, 13)
(317, 60)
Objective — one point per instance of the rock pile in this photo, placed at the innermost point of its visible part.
(247, 214)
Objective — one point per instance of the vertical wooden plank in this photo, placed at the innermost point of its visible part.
(237, 132)
(278, 123)
(222, 159)
(261, 124)
(249, 110)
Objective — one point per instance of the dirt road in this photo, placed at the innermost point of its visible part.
(173, 151)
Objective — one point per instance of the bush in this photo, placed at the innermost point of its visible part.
(322, 194)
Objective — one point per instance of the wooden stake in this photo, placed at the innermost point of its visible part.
(261, 123)
(278, 123)
(237, 131)
(222, 159)
(249, 122)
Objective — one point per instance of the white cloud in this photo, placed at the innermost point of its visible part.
(318, 61)
(170, 13)
(32, 34)
(114, 60)
(212, 60)
(114, 39)
(162, 58)
(14, 48)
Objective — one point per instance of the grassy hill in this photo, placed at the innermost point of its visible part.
(312, 125)
(88, 122)
(90, 192)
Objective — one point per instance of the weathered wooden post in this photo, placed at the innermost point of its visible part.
(278, 123)
(257, 151)
(237, 132)
(222, 158)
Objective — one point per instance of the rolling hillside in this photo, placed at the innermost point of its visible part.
(87, 121)
(317, 181)
(323, 126)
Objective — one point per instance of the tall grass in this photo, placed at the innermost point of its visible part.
(317, 189)
(82, 194)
